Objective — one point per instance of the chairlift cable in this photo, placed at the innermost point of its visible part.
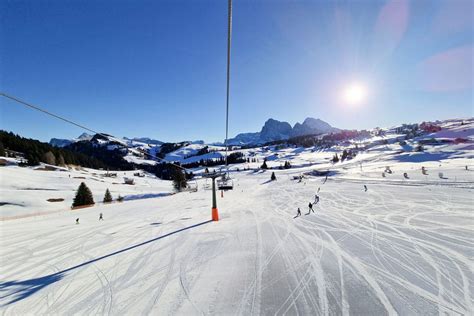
(37, 108)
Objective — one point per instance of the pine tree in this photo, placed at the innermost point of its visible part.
(107, 196)
(83, 196)
(2, 150)
(32, 158)
(273, 177)
(264, 165)
(120, 198)
(344, 155)
(179, 180)
(335, 158)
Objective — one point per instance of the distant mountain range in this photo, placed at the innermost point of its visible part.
(144, 140)
(274, 130)
(59, 142)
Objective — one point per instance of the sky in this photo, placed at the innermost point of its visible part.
(158, 68)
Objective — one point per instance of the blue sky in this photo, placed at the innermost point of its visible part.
(157, 68)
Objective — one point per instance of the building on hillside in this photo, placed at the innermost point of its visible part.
(429, 127)
(14, 154)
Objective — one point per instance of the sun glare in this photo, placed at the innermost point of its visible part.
(354, 94)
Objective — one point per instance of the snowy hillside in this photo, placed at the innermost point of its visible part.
(26, 191)
(402, 245)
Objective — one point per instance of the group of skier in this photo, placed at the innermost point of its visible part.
(316, 201)
(310, 205)
(101, 218)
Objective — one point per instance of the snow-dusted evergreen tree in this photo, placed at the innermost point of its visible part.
(273, 177)
(83, 196)
(107, 196)
(179, 180)
(344, 155)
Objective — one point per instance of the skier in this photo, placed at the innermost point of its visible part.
(101, 218)
(77, 220)
(298, 212)
(365, 188)
(310, 206)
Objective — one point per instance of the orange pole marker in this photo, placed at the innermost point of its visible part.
(215, 214)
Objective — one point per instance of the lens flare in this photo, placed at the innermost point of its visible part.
(355, 94)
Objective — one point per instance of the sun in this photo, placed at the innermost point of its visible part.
(355, 93)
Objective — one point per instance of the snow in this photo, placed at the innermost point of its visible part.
(403, 247)
(186, 154)
(26, 190)
(140, 161)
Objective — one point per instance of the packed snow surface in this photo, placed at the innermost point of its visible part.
(403, 246)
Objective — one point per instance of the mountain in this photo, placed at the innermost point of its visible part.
(244, 139)
(274, 130)
(312, 126)
(60, 142)
(84, 136)
(145, 140)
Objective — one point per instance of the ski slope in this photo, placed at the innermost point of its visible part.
(25, 191)
(403, 247)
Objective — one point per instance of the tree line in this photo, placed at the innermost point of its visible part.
(35, 152)
(233, 158)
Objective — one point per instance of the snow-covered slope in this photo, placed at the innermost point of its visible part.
(403, 246)
(25, 191)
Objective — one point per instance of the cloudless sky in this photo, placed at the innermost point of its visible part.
(157, 68)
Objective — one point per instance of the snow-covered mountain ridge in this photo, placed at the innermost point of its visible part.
(274, 130)
(142, 150)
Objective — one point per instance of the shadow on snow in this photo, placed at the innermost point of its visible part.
(423, 156)
(14, 291)
(146, 196)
